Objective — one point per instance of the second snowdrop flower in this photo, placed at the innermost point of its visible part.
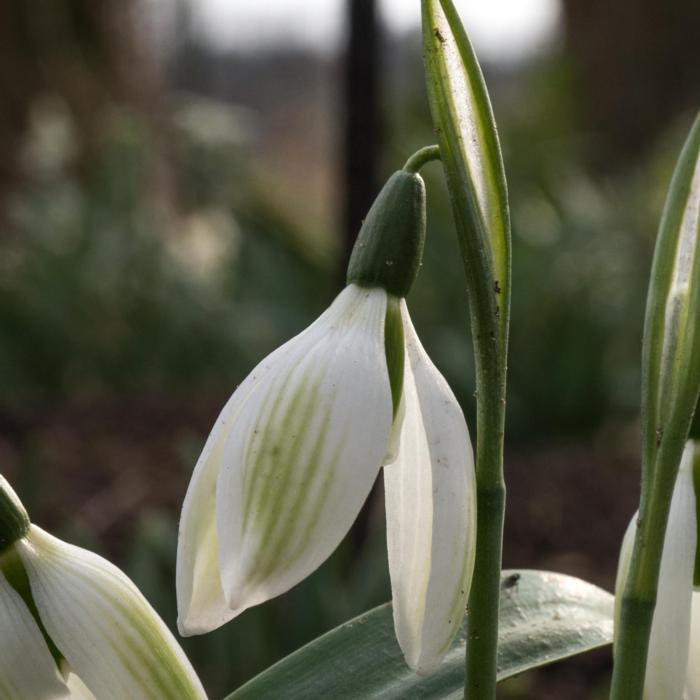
(295, 451)
(72, 625)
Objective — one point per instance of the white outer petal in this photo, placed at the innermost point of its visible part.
(105, 629)
(78, 689)
(201, 604)
(27, 669)
(667, 658)
(431, 513)
(304, 453)
(692, 685)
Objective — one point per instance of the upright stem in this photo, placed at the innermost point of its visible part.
(636, 616)
(489, 309)
(482, 617)
(639, 597)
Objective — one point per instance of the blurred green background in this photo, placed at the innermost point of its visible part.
(176, 202)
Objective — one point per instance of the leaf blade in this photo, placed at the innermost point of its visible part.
(470, 149)
(671, 344)
(361, 658)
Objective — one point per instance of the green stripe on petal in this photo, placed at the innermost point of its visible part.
(106, 630)
(431, 513)
(200, 598)
(27, 669)
(303, 455)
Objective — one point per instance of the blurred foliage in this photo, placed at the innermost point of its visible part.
(100, 289)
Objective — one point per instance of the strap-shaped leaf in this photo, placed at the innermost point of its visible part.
(670, 387)
(543, 617)
(471, 154)
(671, 350)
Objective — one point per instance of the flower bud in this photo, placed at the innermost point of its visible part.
(389, 247)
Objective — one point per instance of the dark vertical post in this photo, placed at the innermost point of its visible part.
(362, 137)
(360, 157)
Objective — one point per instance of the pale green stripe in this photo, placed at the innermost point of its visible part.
(156, 663)
(252, 479)
(273, 542)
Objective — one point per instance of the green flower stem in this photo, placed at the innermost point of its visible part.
(639, 598)
(482, 619)
(482, 633)
(421, 157)
(636, 615)
(489, 307)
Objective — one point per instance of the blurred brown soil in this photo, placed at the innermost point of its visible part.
(95, 461)
(567, 510)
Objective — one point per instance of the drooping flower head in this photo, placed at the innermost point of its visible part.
(72, 625)
(297, 448)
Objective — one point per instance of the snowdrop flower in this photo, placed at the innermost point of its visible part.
(297, 448)
(673, 668)
(72, 625)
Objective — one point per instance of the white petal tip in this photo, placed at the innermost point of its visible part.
(423, 667)
(187, 629)
(191, 624)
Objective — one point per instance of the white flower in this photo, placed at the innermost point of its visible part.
(672, 668)
(293, 456)
(72, 625)
(692, 675)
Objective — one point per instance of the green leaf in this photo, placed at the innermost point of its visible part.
(671, 349)
(544, 617)
(670, 387)
(471, 156)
